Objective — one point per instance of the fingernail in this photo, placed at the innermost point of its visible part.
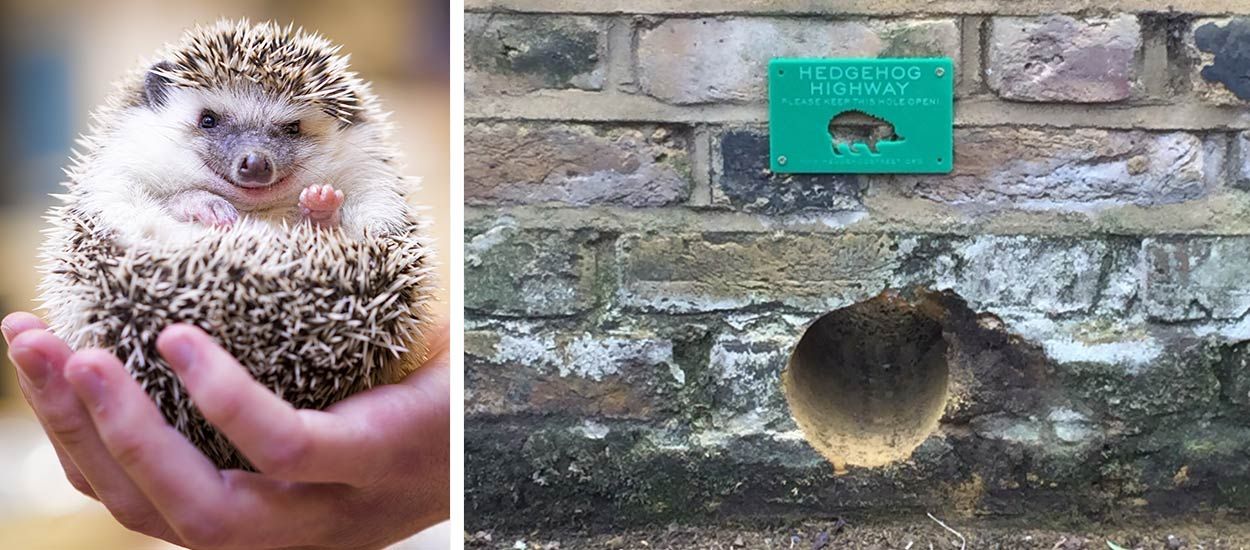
(88, 384)
(180, 353)
(34, 365)
(8, 333)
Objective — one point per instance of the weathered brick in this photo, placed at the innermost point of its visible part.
(712, 272)
(1235, 363)
(708, 60)
(1051, 275)
(517, 54)
(573, 164)
(1196, 278)
(745, 363)
(1064, 169)
(572, 373)
(743, 180)
(1059, 58)
(1219, 51)
(528, 273)
(1240, 167)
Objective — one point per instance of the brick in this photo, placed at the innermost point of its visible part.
(513, 272)
(1236, 383)
(1240, 167)
(745, 363)
(518, 54)
(743, 180)
(1197, 278)
(1071, 169)
(578, 165)
(1219, 51)
(1026, 274)
(1021, 272)
(571, 373)
(687, 61)
(714, 272)
(1060, 58)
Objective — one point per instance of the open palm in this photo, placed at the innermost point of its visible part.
(366, 472)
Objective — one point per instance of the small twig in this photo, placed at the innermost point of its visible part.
(963, 542)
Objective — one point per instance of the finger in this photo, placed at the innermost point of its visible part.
(72, 474)
(41, 359)
(418, 409)
(205, 507)
(14, 325)
(19, 322)
(296, 445)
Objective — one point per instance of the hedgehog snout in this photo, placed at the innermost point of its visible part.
(254, 169)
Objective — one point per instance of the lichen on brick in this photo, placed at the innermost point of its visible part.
(515, 272)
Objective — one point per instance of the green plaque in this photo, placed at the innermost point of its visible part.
(856, 116)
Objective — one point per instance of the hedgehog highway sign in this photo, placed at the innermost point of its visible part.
(849, 116)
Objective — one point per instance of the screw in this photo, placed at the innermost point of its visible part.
(781, 159)
(939, 71)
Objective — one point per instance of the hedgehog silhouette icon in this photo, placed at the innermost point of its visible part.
(850, 128)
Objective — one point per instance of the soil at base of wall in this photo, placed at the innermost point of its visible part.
(921, 534)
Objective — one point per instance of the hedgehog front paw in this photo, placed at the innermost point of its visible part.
(320, 204)
(210, 210)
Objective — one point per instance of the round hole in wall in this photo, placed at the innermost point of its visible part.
(868, 383)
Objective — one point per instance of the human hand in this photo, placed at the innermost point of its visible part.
(370, 470)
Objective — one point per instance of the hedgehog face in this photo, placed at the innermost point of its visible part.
(240, 142)
(251, 113)
(252, 147)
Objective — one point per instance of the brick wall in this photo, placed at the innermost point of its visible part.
(636, 278)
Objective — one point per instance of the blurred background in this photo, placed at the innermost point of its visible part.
(58, 61)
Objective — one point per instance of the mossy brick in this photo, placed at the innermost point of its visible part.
(528, 273)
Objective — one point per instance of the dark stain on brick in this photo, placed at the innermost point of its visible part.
(749, 184)
(1231, 46)
(551, 51)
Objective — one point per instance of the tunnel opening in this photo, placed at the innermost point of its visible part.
(867, 383)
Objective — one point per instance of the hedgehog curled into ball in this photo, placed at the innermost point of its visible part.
(245, 182)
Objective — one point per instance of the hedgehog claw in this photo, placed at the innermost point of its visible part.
(320, 204)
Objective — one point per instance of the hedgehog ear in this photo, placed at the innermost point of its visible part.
(156, 86)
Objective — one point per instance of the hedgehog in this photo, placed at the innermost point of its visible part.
(243, 181)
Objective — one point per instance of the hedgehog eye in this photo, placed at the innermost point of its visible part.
(208, 119)
(291, 128)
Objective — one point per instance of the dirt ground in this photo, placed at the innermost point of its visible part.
(920, 535)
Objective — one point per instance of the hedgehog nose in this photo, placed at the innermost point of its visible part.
(255, 168)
